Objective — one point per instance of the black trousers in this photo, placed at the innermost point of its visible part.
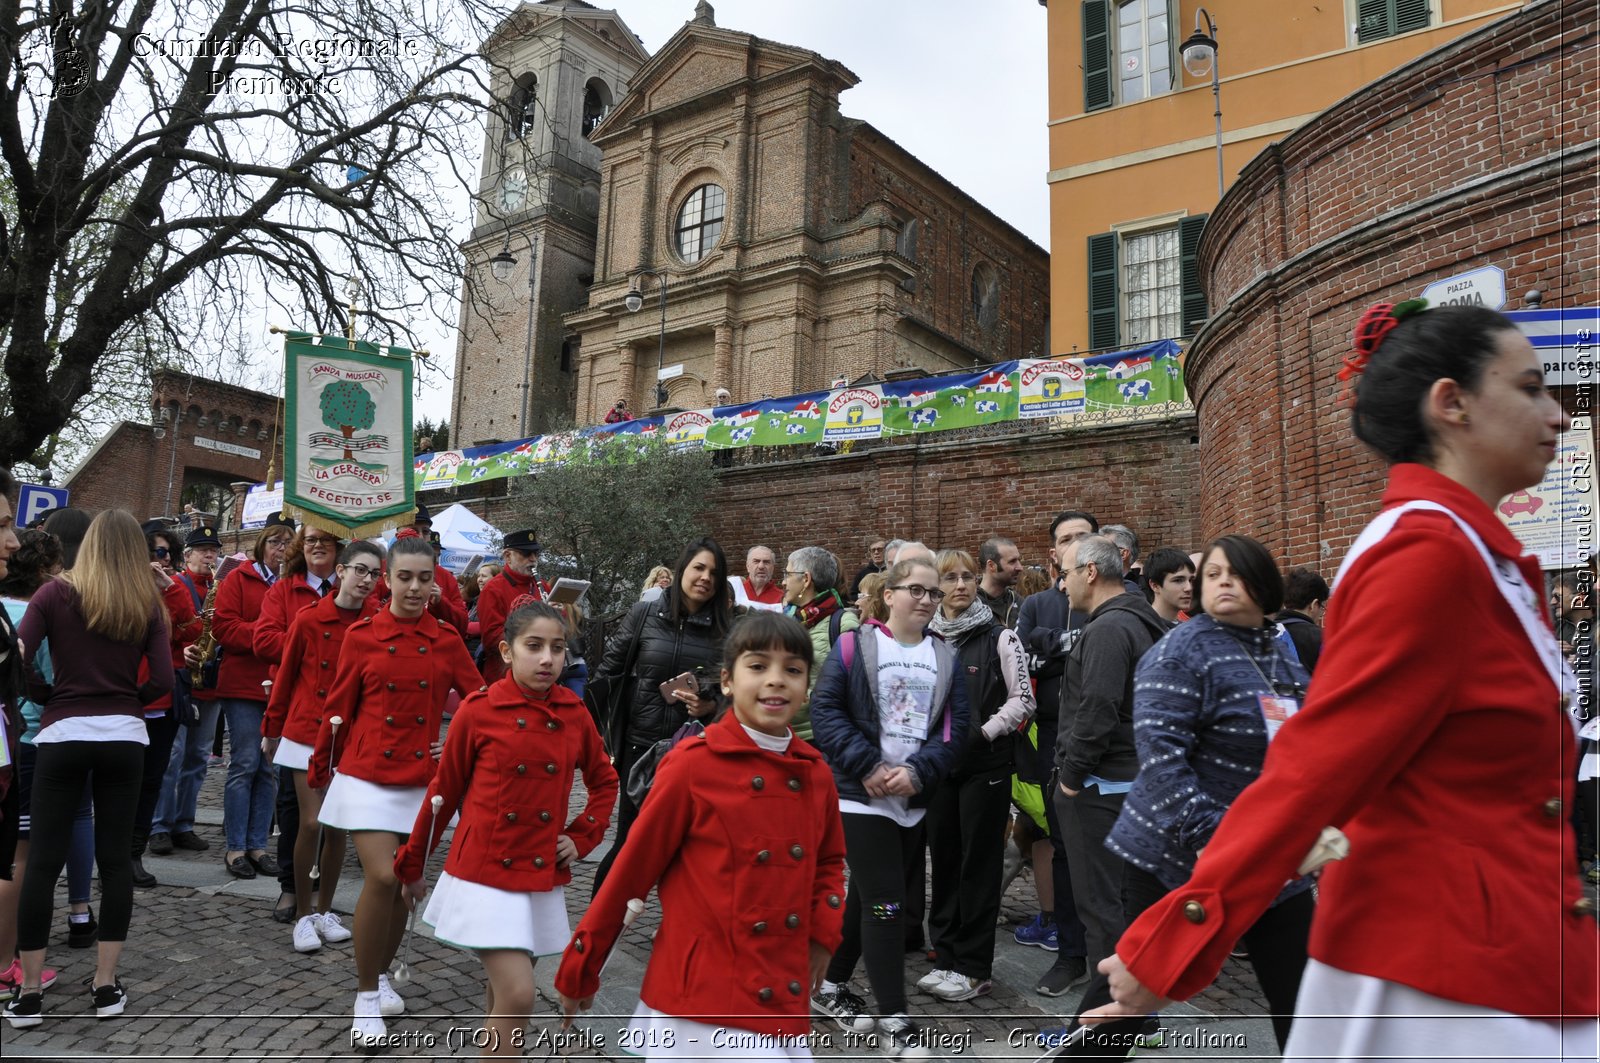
(627, 811)
(1069, 926)
(288, 828)
(161, 731)
(1096, 871)
(966, 825)
(114, 770)
(1277, 946)
(877, 850)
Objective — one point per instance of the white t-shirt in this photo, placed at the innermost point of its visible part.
(906, 679)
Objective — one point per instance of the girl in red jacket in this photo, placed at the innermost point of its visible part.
(742, 837)
(394, 674)
(507, 766)
(308, 655)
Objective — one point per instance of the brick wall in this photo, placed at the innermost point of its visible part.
(1475, 155)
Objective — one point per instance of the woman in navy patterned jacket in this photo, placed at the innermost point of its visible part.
(1207, 699)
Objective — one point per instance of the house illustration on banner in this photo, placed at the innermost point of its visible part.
(1129, 367)
(809, 408)
(994, 381)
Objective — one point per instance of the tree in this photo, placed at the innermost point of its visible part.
(345, 405)
(227, 156)
(613, 511)
(428, 437)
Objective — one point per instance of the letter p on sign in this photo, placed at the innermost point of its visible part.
(36, 499)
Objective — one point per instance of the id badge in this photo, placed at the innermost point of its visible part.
(1275, 708)
(910, 725)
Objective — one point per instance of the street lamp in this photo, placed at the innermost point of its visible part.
(1199, 59)
(501, 266)
(634, 301)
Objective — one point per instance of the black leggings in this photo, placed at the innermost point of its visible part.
(878, 851)
(59, 776)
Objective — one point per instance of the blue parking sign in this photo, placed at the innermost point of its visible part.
(36, 499)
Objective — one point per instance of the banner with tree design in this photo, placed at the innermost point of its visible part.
(347, 434)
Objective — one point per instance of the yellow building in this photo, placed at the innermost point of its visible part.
(1133, 149)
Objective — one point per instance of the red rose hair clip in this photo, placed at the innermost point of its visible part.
(1370, 331)
(521, 600)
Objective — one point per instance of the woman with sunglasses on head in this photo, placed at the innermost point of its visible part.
(890, 714)
(308, 578)
(1441, 746)
(310, 657)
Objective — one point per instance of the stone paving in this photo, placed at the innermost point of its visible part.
(210, 975)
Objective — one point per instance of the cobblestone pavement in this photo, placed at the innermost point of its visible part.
(210, 975)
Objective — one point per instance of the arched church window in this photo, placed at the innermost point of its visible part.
(596, 104)
(700, 222)
(522, 107)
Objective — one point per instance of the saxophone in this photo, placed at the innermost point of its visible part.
(206, 644)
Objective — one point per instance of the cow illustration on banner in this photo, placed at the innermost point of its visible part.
(347, 436)
(854, 413)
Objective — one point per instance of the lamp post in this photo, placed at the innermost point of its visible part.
(501, 266)
(634, 301)
(1199, 59)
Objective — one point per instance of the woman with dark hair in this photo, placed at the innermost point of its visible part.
(1439, 743)
(69, 526)
(102, 619)
(251, 792)
(661, 668)
(1208, 698)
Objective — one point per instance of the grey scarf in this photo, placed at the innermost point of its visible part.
(977, 615)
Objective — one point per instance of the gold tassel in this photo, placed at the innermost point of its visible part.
(350, 531)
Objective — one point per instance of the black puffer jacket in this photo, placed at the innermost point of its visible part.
(664, 650)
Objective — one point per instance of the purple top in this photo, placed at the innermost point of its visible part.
(94, 675)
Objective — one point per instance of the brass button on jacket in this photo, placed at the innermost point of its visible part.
(1552, 808)
(1194, 911)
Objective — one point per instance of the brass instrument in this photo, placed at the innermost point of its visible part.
(206, 644)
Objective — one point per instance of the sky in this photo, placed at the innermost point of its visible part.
(959, 85)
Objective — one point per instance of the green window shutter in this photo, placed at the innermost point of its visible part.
(1410, 15)
(1194, 293)
(1096, 54)
(1103, 331)
(1374, 20)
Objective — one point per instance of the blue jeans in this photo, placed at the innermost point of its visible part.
(186, 770)
(252, 788)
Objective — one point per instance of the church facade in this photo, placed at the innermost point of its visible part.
(751, 240)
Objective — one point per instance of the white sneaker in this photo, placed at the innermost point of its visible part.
(368, 1029)
(389, 1002)
(904, 1038)
(933, 978)
(305, 934)
(961, 987)
(330, 929)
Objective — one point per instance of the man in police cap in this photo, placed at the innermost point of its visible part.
(517, 577)
(423, 521)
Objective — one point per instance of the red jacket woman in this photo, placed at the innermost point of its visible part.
(728, 831)
(310, 657)
(389, 689)
(513, 748)
(238, 606)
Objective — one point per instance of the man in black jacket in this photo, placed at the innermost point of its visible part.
(1095, 756)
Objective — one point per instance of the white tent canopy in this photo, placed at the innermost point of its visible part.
(465, 538)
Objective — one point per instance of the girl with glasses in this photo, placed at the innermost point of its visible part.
(289, 728)
(890, 714)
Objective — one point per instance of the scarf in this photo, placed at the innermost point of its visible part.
(816, 610)
(977, 615)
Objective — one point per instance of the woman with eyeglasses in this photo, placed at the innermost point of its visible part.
(249, 795)
(308, 575)
(890, 714)
(310, 656)
(967, 815)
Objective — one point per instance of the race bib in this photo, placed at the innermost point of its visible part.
(1275, 708)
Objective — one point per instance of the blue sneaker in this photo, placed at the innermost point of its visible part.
(1038, 933)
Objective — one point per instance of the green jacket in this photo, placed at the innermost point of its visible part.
(820, 645)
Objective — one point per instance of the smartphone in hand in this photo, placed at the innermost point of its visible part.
(683, 684)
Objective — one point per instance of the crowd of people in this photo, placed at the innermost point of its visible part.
(820, 772)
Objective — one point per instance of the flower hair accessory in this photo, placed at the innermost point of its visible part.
(520, 601)
(1370, 331)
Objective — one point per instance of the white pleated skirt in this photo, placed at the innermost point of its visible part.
(471, 915)
(291, 754)
(1344, 1016)
(656, 1035)
(356, 804)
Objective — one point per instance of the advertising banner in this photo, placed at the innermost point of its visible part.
(854, 413)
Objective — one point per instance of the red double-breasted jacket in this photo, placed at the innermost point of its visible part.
(1432, 736)
(507, 765)
(494, 605)
(237, 607)
(310, 662)
(746, 849)
(282, 604)
(389, 689)
(186, 620)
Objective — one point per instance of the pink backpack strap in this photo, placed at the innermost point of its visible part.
(847, 650)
